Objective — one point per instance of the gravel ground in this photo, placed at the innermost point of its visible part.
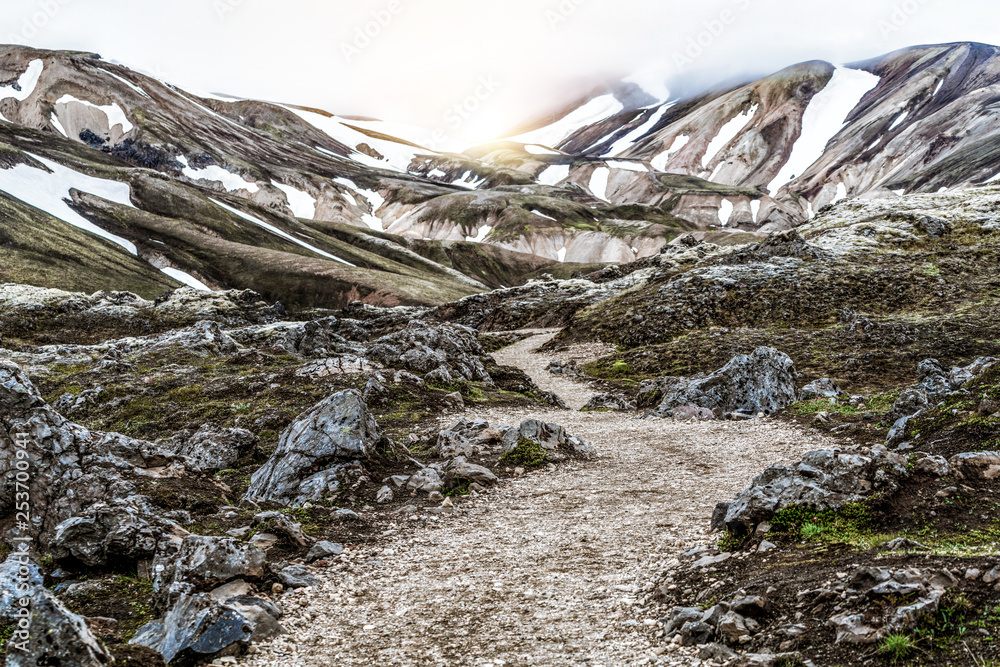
(546, 569)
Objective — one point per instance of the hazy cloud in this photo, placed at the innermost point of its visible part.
(416, 61)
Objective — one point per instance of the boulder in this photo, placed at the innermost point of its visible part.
(551, 437)
(691, 413)
(276, 522)
(764, 381)
(464, 438)
(963, 374)
(608, 403)
(679, 616)
(72, 467)
(822, 388)
(54, 636)
(202, 561)
(909, 403)
(976, 465)
(933, 226)
(210, 448)
(425, 480)
(304, 465)
(934, 379)
(106, 534)
(460, 470)
(932, 465)
(732, 626)
(197, 629)
(425, 347)
(823, 479)
(324, 549)
(298, 576)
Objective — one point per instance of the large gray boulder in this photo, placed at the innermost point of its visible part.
(197, 629)
(201, 562)
(464, 438)
(763, 381)
(54, 636)
(304, 467)
(553, 438)
(71, 467)
(107, 534)
(424, 347)
(822, 480)
(210, 448)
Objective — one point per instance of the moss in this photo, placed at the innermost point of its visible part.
(128, 599)
(526, 453)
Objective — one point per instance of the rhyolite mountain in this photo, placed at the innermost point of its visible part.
(111, 179)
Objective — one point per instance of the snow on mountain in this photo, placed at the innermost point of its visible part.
(825, 116)
(230, 181)
(728, 132)
(25, 84)
(596, 110)
(50, 192)
(274, 230)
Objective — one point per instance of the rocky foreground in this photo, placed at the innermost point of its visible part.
(211, 478)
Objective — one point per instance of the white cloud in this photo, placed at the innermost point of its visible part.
(433, 52)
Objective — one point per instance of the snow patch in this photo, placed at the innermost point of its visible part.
(542, 215)
(187, 279)
(397, 156)
(480, 236)
(436, 173)
(937, 89)
(626, 142)
(725, 212)
(561, 255)
(303, 204)
(728, 132)
(375, 200)
(114, 112)
(599, 183)
(230, 181)
(841, 193)
(899, 120)
(274, 230)
(592, 112)
(469, 181)
(554, 175)
(127, 83)
(49, 192)
(659, 162)
(58, 125)
(26, 82)
(823, 119)
(755, 209)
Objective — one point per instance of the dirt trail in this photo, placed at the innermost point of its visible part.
(547, 568)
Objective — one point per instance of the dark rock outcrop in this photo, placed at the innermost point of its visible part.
(305, 465)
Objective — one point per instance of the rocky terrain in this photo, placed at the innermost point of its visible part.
(702, 382)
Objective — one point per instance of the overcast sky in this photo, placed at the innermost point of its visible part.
(413, 60)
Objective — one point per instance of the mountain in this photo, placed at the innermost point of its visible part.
(916, 120)
(112, 179)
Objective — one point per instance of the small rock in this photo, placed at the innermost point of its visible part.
(384, 495)
(324, 549)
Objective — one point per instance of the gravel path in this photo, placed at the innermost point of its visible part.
(546, 569)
